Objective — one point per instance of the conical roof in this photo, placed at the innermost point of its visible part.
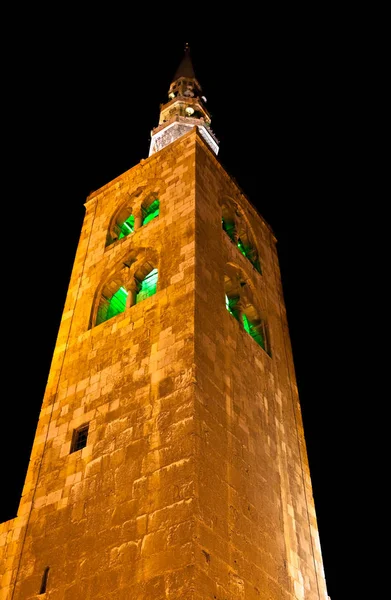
(185, 68)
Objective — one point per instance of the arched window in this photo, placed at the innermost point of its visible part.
(258, 331)
(256, 326)
(122, 225)
(239, 303)
(228, 221)
(230, 304)
(229, 228)
(147, 286)
(237, 230)
(132, 214)
(233, 284)
(150, 210)
(111, 304)
(248, 250)
(126, 227)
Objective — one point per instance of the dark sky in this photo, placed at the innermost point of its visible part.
(80, 107)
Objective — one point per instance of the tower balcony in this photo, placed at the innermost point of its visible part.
(171, 130)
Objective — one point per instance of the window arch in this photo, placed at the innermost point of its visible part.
(255, 326)
(240, 304)
(248, 248)
(236, 227)
(123, 222)
(146, 282)
(126, 288)
(228, 221)
(112, 302)
(150, 209)
(233, 284)
(133, 214)
(126, 227)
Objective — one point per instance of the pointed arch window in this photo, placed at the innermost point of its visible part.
(230, 304)
(150, 212)
(147, 287)
(257, 332)
(229, 228)
(237, 230)
(239, 303)
(249, 252)
(110, 307)
(257, 328)
(126, 227)
(122, 226)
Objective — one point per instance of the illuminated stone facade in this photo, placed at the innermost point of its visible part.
(194, 482)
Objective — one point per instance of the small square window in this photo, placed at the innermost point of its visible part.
(79, 438)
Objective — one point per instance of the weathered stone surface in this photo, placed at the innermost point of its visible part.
(194, 483)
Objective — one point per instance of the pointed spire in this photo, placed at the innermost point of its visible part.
(184, 110)
(185, 68)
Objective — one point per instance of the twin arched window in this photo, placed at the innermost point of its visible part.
(240, 304)
(132, 216)
(237, 230)
(121, 292)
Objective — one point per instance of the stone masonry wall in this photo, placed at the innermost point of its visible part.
(115, 519)
(194, 483)
(256, 528)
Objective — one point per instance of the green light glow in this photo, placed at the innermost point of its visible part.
(151, 212)
(242, 248)
(250, 254)
(127, 227)
(148, 286)
(253, 331)
(229, 228)
(115, 306)
(230, 304)
(246, 324)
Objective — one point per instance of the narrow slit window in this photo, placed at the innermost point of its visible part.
(44, 582)
(79, 438)
(148, 286)
(151, 212)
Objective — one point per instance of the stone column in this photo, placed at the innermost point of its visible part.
(138, 218)
(132, 293)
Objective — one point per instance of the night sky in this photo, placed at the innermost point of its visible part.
(80, 108)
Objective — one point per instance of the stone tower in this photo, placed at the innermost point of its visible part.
(169, 461)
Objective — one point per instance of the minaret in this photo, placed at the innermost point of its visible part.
(185, 109)
(169, 461)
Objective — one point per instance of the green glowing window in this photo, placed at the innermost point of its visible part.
(230, 304)
(250, 254)
(241, 248)
(126, 227)
(256, 332)
(148, 286)
(114, 306)
(229, 228)
(151, 212)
